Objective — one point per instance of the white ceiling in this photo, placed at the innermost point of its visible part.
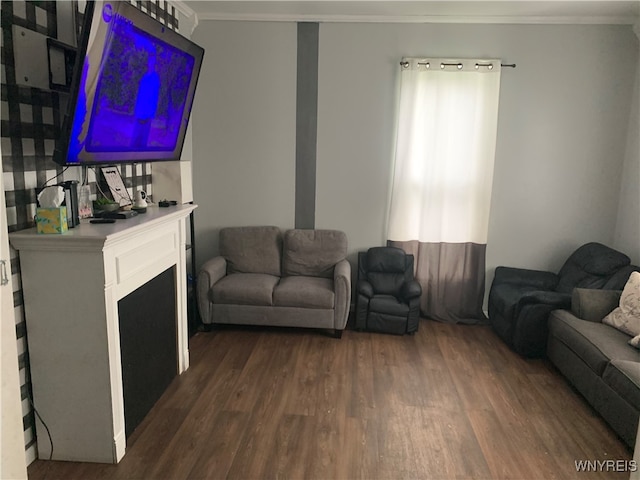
(478, 11)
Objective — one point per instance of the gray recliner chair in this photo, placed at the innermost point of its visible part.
(521, 300)
(388, 297)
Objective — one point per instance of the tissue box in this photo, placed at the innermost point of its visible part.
(51, 220)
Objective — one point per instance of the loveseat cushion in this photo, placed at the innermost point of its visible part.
(252, 249)
(304, 292)
(313, 253)
(623, 377)
(245, 289)
(594, 343)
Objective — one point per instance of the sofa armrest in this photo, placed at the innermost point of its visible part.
(593, 304)
(538, 279)
(210, 273)
(342, 288)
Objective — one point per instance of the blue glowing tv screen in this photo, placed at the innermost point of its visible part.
(132, 90)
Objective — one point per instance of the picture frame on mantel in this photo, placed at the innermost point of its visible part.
(119, 191)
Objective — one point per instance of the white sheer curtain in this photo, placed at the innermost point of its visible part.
(443, 175)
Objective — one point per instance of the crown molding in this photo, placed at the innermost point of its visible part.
(188, 12)
(520, 20)
(183, 8)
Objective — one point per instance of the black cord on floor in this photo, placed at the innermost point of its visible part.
(45, 425)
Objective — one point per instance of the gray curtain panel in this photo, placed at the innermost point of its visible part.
(452, 277)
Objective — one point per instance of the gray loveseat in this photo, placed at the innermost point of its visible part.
(597, 359)
(299, 278)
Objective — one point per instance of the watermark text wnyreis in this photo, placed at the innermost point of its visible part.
(606, 465)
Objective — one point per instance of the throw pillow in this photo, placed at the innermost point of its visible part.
(635, 341)
(626, 317)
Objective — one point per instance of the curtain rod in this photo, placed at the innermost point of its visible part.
(459, 65)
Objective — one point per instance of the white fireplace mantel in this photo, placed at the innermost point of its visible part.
(72, 284)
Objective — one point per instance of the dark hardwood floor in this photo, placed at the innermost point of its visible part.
(449, 402)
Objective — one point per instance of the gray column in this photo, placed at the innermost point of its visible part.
(306, 125)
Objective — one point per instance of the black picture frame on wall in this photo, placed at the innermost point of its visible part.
(61, 58)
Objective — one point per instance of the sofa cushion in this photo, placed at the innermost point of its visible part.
(252, 249)
(304, 292)
(594, 343)
(624, 378)
(313, 253)
(245, 289)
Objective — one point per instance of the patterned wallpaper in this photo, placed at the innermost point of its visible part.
(30, 120)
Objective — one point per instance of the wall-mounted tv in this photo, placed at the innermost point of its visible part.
(132, 90)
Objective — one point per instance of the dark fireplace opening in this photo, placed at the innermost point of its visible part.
(148, 345)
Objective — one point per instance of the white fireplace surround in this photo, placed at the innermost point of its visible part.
(72, 284)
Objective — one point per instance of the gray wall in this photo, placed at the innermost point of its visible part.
(627, 236)
(244, 128)
(562, 134)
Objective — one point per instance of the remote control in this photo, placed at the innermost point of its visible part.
(103, 220)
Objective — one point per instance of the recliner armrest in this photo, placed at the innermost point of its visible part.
(554, 299)
(365, 288)
(521, 276)
(410, 290)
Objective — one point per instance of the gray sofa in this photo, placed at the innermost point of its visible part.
(299, 278)
(597, 359)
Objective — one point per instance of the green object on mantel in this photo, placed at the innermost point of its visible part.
(105, 205)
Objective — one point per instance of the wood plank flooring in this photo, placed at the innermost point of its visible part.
(449, 402)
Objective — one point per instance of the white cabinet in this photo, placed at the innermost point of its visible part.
(72, 284)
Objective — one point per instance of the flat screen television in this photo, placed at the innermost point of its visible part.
(132, 89)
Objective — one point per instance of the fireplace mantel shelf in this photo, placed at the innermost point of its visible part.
(89, 236)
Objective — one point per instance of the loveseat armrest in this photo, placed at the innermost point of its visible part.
(537, 279)
(342, 288)
(593, 304)
(208, 275)
(212, 271)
